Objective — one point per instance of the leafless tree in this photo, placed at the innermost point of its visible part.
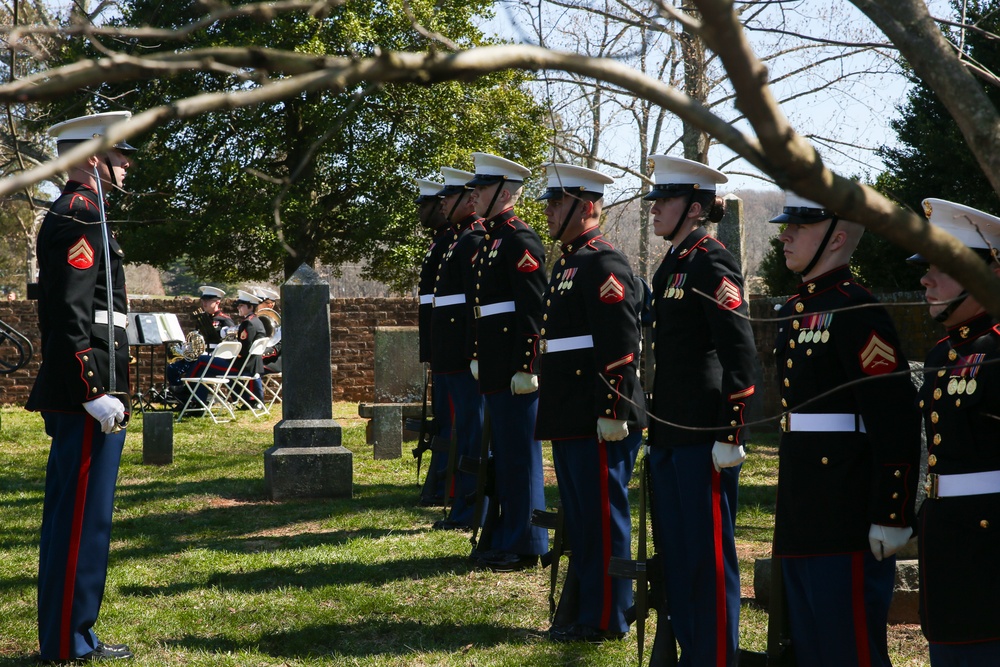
(771, 144)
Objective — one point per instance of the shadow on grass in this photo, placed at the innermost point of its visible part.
(315, 576)
(366, 638)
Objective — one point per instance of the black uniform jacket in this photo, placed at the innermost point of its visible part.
(833, 485)
(425, 289)
(210, 326)
(960, 536)
(72, 288)
(451, 342)
(592, 293)
(510, 266)
(251, 328)
(703, 345)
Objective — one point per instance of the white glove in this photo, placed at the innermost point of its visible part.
(887, 540)
(106, 409)
(523, 383)
(474, 367)
(223, 331)
(611, 430)
(725, 455)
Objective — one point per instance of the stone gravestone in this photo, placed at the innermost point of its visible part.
(307, 459)
(399, 387)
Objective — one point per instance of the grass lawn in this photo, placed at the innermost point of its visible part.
(206, 571)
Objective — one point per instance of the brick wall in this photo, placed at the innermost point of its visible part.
(352, 334)
(352, 327)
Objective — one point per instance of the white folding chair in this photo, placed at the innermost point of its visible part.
(224, 354)
(239, 387)
(272, 388)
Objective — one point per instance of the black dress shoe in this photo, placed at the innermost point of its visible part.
(584, 633)
(107, 652)
(448, 524)
(505, 562)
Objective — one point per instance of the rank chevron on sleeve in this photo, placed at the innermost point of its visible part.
(878, 356)
(727, 295)
(612, 290)
(81, 255)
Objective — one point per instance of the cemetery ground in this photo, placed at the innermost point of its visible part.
(206, 571)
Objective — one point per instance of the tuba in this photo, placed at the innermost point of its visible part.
(270, 319)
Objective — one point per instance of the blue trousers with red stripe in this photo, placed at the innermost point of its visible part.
(517, 461)
(76, 532)
(838, 607)
(694, 520)
(466, 407)
(982, 654)
(433, 488)
(593, 481)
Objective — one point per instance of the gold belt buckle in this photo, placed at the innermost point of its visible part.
(543, 346)
(931, 485)
(477, 311)
(785, 422)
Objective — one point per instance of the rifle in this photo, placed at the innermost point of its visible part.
(426, 429)
(780, 652)
(481, 469)
(638, 570)
(553, 521)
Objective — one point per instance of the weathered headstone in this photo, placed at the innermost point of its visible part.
(730, 231)
(399, 377)
(157, 438)
(307, 459)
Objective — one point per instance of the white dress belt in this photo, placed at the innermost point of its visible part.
(967, 484)
(550, 345)
(495, 309)
(426, 299)
(101, 317)
(449, 300)
(833, 422)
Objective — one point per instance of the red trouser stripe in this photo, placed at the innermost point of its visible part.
(451, 410)
(860, 615)
(76, 530)
(720, 573)
(602, 456)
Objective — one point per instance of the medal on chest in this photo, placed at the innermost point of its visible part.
(565, 280)
(815, 328)
(675, 286)
(962, 379)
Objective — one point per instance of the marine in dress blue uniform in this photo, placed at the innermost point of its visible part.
(590, 401)
(451, 323)
(510, 282)
(848, 460)
(272, 354)
(251, 329)
(70, 391)
(432, 217)
(959, 521)
(704, 380)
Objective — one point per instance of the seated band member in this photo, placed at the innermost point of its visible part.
(209, 322)
(272, 354)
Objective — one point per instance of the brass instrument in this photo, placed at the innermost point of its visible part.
(270, 319)
(194, 344)
(193, 347)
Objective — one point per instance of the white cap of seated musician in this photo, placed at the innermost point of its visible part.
(209, 292)
(247, 297)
